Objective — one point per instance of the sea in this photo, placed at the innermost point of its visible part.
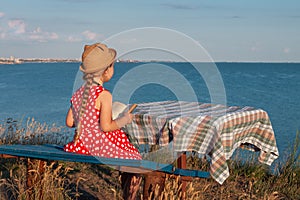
(42, 91)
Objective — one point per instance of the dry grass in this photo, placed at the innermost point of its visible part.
(34, 132)
(50, 184)
(64, 180)
(173, 190)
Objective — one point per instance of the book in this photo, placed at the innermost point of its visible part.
(118, 108)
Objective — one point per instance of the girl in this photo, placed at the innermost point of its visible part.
(91, 110)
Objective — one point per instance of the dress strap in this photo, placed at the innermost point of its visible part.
(96, 82)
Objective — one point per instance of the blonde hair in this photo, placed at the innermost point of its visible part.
(89, 80)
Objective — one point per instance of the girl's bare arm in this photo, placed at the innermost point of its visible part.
(106, 122)
(69, 118)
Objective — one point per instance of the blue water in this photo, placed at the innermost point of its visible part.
(42, 90)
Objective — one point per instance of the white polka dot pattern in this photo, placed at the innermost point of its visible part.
(93, 141)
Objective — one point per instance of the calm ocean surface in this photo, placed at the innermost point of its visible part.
(42, 91)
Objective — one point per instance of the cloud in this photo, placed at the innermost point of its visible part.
(286, 50)
(72, 38)
(196, 6)
(2, 35)
(42, 36)
(89, 35)
(236, 17)
(128, 40)
(256, 47)
(180, 6)
(84, 36)
(17, 30)
(17, 25)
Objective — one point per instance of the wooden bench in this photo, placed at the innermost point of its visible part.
(152, 171)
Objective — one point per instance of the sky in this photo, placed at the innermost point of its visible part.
(228, 30)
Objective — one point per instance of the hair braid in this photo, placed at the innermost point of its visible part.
(89, 81)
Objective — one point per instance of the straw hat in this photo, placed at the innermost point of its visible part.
(96, 57)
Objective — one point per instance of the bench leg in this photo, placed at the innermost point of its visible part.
(34, 179)
(151, 180)
(181, 163)
(130, 184)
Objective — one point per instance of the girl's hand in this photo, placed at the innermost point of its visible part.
(106, 122)
(128, 117)
(123, 120)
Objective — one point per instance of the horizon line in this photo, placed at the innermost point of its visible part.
(14, 59)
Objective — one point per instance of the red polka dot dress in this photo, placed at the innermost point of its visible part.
(94, 141)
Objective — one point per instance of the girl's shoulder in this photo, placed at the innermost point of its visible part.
(100, 90)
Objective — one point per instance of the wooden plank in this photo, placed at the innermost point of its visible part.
(54, 152)
(7, 156)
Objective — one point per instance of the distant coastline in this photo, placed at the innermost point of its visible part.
(13, 60)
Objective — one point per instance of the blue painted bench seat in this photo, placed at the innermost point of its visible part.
(55, 152)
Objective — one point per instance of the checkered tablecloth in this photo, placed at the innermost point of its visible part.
(214, 130)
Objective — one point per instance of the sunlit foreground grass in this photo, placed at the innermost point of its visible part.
(66, 180)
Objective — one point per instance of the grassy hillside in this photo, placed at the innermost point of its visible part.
(66, 180)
